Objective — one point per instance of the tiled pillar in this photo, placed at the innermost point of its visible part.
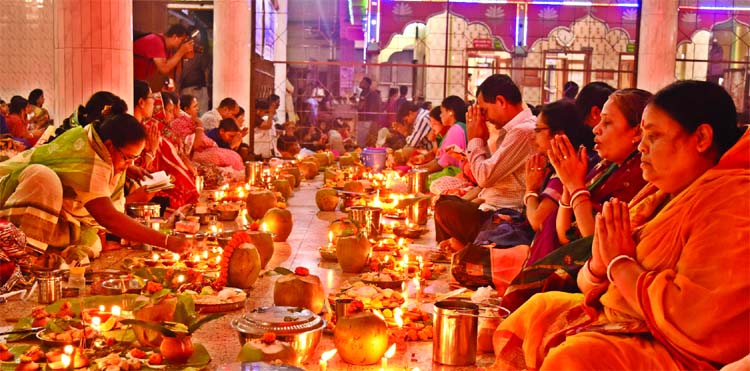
(657, 44)
(93, 42)
(26, 43)
(279, 54)
(231, 74)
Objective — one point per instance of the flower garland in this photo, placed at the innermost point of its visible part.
(238, 239)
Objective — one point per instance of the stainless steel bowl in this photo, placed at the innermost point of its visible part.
(302, 334)
(118, 286)
(143, 209)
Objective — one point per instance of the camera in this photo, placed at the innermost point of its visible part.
(195, 37)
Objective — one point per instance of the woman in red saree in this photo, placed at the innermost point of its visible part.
(186, 132)
(674, 293)
(160, 154)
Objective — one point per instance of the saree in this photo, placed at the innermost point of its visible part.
(693, 301)
(204, 150)
(44, 190)
(554, 267)
(168, 159)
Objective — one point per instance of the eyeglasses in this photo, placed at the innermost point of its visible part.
(539, 130)
(128, 158)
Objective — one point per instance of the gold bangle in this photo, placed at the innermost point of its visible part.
(613, 262)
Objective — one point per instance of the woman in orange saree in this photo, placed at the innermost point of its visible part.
(674, 293)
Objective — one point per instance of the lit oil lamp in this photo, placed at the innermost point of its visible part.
(418, 288)
(388, 354)
(154, 261)
(212, 263)
(167, 262)
(399, 334)
(192, 263)
(324, 359)
(96, 323)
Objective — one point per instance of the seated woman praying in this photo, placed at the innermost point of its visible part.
(452, 117)
(187, 126)
(673, 293)
(160, 154)
(61, 193)
(224, 136)
(565, 243)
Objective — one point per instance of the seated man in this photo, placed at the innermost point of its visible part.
(226, 134)
(500, 174)
(228, 108)
(264, 132)
(419, 120)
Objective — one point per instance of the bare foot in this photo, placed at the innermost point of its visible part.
(456, 245)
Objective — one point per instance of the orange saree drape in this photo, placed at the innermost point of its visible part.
(694, 299)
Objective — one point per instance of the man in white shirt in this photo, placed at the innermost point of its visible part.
(500, 174)
(264, 134)
(228, 108)
(419, 118)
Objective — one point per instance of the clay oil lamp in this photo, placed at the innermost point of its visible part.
(193, 262)
(153, 261)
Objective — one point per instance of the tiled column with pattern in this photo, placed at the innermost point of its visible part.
(657, 44)
(93, 42)
(26, 45)
(279, 54)
(231, 74)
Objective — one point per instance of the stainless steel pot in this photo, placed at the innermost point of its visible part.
(50, 286)
(300, 327)
(454, 339)
(417, 179)
(368, 218)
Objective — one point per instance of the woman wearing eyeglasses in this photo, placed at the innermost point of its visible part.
(61, 193)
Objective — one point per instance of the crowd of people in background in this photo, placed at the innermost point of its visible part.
(623, 196)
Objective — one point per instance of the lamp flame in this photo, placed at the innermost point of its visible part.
(65, 360)
(391, 351)
(378, 313)
(325, 356)
(397, 317)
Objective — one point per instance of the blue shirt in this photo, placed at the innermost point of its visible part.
(214, 134)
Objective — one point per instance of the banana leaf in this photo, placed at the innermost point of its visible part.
(126, 301)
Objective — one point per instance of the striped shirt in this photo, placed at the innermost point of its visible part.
(502, 174)
(418, 137)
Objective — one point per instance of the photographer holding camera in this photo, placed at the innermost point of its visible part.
(157, 58)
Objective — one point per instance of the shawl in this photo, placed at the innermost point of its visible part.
(83, 164)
